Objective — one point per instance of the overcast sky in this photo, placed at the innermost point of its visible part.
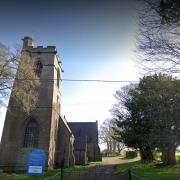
(95, 40)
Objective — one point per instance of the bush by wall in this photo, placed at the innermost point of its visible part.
(131, 154)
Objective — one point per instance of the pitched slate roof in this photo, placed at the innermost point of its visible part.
(81, 143)
(85, 129)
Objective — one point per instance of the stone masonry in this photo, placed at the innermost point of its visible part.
(45, 128)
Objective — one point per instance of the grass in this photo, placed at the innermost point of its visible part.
(159, 154)
(48, 173)
(53, 172)
(151, 171)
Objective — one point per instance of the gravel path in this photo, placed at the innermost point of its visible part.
(106, 171)
(101, 172)
(116, 160)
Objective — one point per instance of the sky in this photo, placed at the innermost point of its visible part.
(95, 40)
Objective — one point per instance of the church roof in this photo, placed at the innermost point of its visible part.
(81, 143)
(63, 119)
(85, 129)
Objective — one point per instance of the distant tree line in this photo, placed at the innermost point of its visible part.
(106, 137)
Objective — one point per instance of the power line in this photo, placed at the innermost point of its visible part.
(75, 80)
(99, 80)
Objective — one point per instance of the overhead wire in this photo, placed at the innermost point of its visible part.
(75, 80)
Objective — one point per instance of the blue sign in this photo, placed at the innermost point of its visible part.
(36, 163)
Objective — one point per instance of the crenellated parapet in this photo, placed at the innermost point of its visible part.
(28, 45)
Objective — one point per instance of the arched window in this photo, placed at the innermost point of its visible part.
(38, 68)
(31, 134)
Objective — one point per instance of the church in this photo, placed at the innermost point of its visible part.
(65, 143)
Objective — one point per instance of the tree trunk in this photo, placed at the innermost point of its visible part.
(118, 148)
(108, 148)
(146, 154)
(168, 156)
(114, 147)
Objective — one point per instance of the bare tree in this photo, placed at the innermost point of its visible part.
(158, 40)
(107, 137)
(17, 74)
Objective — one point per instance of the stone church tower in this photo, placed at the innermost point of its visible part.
(22, 133)
(64, 143)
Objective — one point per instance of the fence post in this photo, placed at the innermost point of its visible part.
(129, 174)
(61, 173)
(62, 167)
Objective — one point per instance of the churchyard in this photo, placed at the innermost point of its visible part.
(116, 167)
(127, 50)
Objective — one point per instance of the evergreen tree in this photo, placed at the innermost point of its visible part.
(147, 116)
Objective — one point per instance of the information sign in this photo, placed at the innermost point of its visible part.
(36, 163)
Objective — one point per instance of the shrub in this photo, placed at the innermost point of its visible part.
(131, 154)
(5, 176)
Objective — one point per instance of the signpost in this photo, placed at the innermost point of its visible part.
(36, 163)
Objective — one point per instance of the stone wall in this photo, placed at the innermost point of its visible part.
(65, 145)
(81, 157)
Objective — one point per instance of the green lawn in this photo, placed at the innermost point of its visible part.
(50, 173)
(53, 172)
(151, 171)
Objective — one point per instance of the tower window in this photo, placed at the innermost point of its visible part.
(31, 134)
(58, 77)
(38, 68)
(57, 99)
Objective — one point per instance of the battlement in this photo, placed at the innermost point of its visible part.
(28, 46)
(41, 49)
